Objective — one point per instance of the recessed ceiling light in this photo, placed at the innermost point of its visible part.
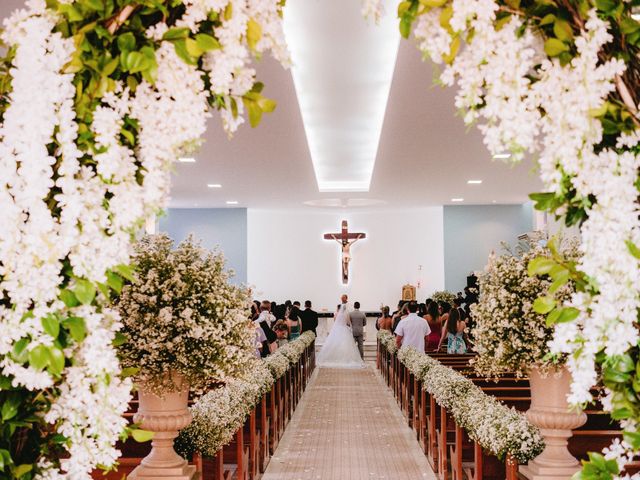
(214, 185)
(493, 201)
(474, 182)
(232, 202)
(501, 156)
(187, 160)
(457, 199)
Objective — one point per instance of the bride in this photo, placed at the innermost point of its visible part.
(339, 349)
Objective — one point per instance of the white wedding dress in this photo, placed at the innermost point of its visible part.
(339, 349)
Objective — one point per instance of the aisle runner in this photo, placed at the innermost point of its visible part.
(348, 427)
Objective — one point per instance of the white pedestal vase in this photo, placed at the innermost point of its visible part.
(164, 416)
(550, 412)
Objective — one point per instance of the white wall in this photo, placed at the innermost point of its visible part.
(289, 259)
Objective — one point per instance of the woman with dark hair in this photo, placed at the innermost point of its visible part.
(455, 333)
(433, 319)
(293, 322)
(255, 310)
(444, 308)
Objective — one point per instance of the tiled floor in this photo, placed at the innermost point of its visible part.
(348, 427)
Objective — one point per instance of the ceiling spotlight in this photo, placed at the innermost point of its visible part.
(187, 160)
(474, 182)
(494, 201)
(501, 156)
(457, 199)
(214, 185)
(232, 202)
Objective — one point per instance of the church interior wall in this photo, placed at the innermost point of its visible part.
(472, 232)
(224, 227)
(289, 259)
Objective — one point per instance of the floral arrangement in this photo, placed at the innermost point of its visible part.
(561, 81)
(219, 414)
(510, 335)
(277, 364)
(443, 296)
(294, 350)
(498, 429)
(97, 99)
(181, 314)
(386, 338)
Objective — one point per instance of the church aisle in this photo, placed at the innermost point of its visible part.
(348, 427)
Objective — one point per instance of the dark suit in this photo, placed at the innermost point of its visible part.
(309, 320)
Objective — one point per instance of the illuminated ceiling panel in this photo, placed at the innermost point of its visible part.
(343, 67)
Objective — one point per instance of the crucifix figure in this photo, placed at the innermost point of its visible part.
(345, 239)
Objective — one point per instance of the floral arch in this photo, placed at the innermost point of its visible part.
(560, 80)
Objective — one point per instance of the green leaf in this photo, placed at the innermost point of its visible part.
(176, 33)
(51, 325)
(544, 304)
(540, 266)
(405, 25)
(119, 339)
(97, 5)
(141, 436)
(548, 19)
(56, 361)
(193, 48)
(624, 363)
(629, 25)
(125, 271)
(77, 328)
(633, 249)
(129, 372)
(554, 47)
(5, 458)
(110, 67)
(19, 352)
(22, 470)
(85, 291)
(181, 51)
(552, 318)
(39, 357)
(568, 314)
(267, 105)
(115, 281)
(544, 200)
(126, 42)
(207, 42)
(254, 111)
(71, 12)
(633, 439)
(69, 298)
(10, 407)
(606, 5)
(562, 30)
(136, 62)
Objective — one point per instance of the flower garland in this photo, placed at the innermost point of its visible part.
(498, 429)
(386, 338)
(97, 99)
(560, 80)
(219, 414)
(443, 296)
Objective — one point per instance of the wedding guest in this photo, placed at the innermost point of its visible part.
(455, 333)
(282, 331)
(385, 322)
(265, 313)
(412, 331)
(265, 320)
(400, 314)
(261, 340)
(309, 318)
(422, 310)
(444, 308)
(433, 319)
(294, 324)
(296, 304)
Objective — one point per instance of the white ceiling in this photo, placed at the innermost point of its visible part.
(425, 155)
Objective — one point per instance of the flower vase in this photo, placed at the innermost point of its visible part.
(164, 415)
(550, 412)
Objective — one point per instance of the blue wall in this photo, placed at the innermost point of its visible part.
(472, 232)
(223, 227)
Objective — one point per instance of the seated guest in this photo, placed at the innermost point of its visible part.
(412, 331)
(455, 333)
(294, 324)
(433, 319)
(282, 331)
(385, 322)
(261, 340)
(309, 318)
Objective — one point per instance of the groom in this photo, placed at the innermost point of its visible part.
(358, 321)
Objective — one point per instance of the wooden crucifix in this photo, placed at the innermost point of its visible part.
(345, 239)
